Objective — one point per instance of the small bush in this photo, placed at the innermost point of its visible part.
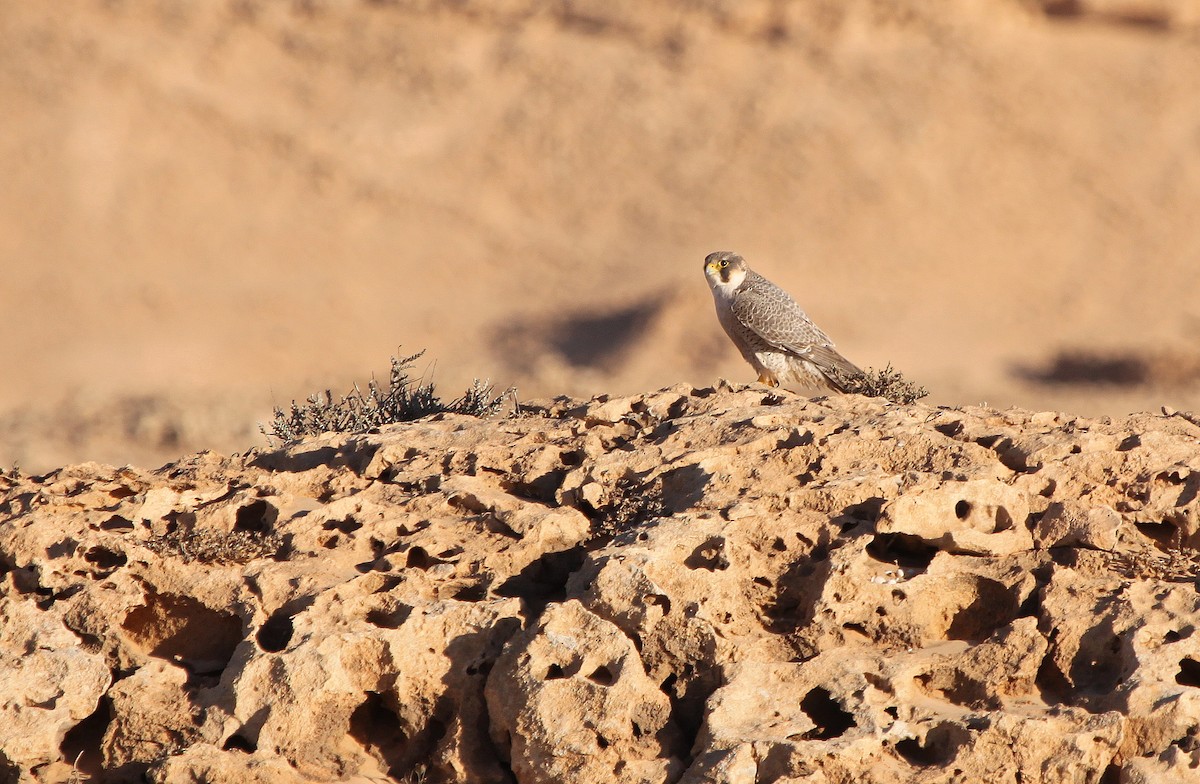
(216, 547)
(403, 400)
(888, 383)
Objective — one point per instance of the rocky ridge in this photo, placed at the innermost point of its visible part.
(695, 585)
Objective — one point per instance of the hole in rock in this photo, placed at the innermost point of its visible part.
(62, 549)
(1164, 534)
(116, 523)
(1004, 520)
(376, 726)
(1104, 659)
(545, 578)
(417, 558)
(864, 512)
(179, 627)
(1130, 442)
(1189, 672)
(471, 593)
(911, 552)
(831, 718)
(660, 600)
(348, 525)
(602, 742)
(602, 676)
(940, 747)
(1111, 775)
(256, 516)
(1189, 742)
(10, 772)
(637, 730)
(237, 742)
(275, 634)
(105, 558)
(993, 606)
(710, 556)
(1182, 634)
(962, 510)
(779, 545)
(555, 673)
(950, 429)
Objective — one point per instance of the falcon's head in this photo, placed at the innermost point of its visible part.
(724, 269)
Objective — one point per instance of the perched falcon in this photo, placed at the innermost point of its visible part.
(774, 335)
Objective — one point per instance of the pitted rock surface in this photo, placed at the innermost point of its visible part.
(694, 585)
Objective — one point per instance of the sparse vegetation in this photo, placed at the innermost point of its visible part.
(888, 383)
(402, 400)
(216, 547)
(630, 505)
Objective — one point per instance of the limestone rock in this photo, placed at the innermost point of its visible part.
(572, 702)
(696, 585)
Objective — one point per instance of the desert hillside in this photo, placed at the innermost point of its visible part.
(210, 208)
(718, 584)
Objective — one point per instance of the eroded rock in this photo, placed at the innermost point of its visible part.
(697, 585)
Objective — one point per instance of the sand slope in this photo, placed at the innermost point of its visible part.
(209, 208)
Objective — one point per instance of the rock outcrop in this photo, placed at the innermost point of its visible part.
(695, 585)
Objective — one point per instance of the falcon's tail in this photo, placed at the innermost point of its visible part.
(839, 372)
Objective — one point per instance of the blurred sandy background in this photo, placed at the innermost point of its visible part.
(207, 208)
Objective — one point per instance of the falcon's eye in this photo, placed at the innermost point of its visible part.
(724, 263)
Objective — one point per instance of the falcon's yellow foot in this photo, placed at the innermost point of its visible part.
(770, 381)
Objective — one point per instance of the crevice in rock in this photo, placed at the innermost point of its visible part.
(81, 744)
(1052, 684)
(175, 627)
(1105, 658)
(377, 728)
(1181, 634)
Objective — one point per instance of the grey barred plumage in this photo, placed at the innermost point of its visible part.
(770, 330)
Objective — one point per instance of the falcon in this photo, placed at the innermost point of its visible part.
(770, 330)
